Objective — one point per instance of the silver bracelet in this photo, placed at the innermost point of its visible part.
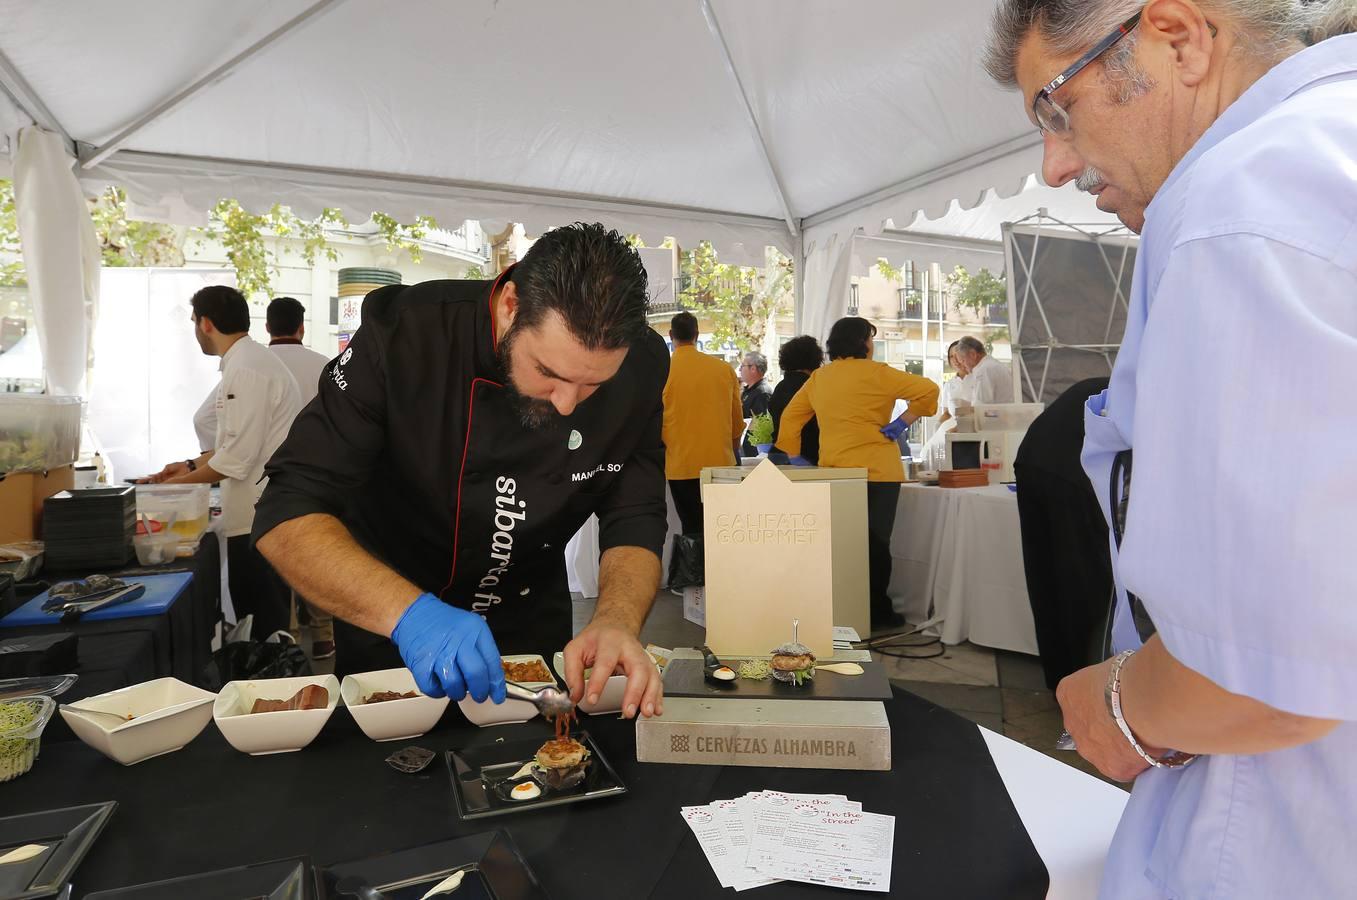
(1112, 694)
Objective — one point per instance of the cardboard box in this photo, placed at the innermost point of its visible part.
(695, 605)
(21, 496)
(792, 734)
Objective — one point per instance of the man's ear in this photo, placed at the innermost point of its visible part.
(206, 325)
(508, 306)
(301, 332)
(1181, 27)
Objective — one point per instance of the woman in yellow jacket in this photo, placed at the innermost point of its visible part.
(851, 398)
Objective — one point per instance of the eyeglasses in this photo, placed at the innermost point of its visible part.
(1051, 119)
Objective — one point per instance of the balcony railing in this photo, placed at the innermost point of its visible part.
(996, 314)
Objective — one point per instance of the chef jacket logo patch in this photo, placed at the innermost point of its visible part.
(575, 440)
(346, 356)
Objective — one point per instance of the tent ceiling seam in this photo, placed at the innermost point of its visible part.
(714, 26)
(165, 107)
(28, 101)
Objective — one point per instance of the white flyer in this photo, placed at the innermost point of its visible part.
(720, 833)
(836, 847)
(765, 815)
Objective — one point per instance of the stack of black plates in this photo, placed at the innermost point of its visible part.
(89, 529)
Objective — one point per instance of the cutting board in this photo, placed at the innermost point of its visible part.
(683, 678)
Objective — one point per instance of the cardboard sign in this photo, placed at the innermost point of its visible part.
(768, 548)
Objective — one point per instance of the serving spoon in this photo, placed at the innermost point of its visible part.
(550, 701)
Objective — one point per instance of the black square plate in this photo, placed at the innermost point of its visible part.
(283, 879)
(481, 776)
(68, 835)
(495, 870)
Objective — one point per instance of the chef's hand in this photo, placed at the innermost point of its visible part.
(449, 650)
(799, 461)
(170, 471)
(604, 647)
(895, 428)
(1095, 732)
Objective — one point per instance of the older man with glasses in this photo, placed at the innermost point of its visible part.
(756, 394)
(1232, 697)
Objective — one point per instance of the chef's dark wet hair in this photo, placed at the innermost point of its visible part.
(592, 277)
(800, 354)
(225, 306)
(284, 317)
(849, 337)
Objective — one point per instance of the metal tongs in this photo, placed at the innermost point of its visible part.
(71, 607)
(550, 701)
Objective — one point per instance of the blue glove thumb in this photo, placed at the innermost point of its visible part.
(449, 651)
(800, 461)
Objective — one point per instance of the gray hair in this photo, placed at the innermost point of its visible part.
(1271, 29)
(971, 344)
(759, 360)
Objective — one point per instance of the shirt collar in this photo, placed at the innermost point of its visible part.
(1335, 56)
(284, 341)
(487, 340)
(221, 366)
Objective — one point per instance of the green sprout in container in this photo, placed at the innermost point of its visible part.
(761, 429)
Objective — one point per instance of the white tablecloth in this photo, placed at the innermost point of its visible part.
(957, 563)
(1070, 816)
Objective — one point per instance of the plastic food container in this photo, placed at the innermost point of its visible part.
(185, 506)
(21, 723)
(38, 433)
(156, 549)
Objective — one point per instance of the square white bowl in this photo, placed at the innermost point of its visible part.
(271, 732)
(149, 733)
(390, 720)
(610, 701)
(511, 711)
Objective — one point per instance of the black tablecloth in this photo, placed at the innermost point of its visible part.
(206, 807)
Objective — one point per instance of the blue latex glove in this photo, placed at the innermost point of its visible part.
(895, 429)
(799, 461)
(449, 650)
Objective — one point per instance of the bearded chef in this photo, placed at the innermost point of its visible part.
(426, 496)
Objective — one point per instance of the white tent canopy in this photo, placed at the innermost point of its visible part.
(790, 123)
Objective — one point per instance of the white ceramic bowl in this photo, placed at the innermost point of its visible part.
(167, 714)
(271, 732)
(509, 712)
(610, 701)
(390, 720)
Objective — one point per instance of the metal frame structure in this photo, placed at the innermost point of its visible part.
(1114, 247)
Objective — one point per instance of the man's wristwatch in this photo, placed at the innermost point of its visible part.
(192, 465)
(1112, 694)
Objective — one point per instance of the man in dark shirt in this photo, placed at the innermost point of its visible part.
(469, 429)
(756, 394)
(1064, 536)
(797, 358)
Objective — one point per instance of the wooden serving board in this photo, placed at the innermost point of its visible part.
(683, 678)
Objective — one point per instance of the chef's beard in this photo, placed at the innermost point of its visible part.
(532, 413)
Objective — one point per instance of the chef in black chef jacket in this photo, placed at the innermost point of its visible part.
(426, 495)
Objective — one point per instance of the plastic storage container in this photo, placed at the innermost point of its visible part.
(21, 723)
(38, 433)
(156, 549)
(187, 504)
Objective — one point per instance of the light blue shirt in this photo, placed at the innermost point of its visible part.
(1235, 385)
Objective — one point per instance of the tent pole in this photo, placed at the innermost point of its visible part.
(97, 155)
(799, 281)
(27, 99)
(719, 37)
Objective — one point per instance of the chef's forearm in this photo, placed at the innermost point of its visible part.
(204, 474)
(628, 578)
(1169, 705)
(322, 562)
